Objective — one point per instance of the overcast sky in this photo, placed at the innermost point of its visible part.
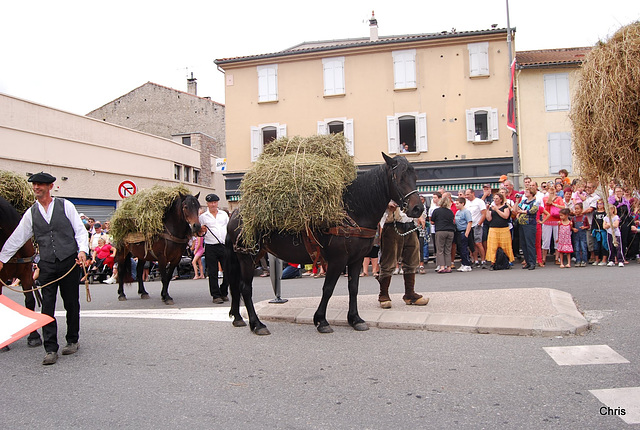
(77, 55)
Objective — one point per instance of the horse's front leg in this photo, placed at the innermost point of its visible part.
(320, 317)
(353, 318)
(166, 278)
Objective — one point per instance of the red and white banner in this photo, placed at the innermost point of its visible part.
(511, 108)
(17, 321)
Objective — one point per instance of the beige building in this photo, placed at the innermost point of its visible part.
(442, 95)
(546, 80)
(91, 158)
(181, 116)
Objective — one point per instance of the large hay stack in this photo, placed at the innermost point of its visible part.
(16, 190)
(606, 110)
(143, 212)
(296, 183)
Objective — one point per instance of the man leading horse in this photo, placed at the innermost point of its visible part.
(63, 243)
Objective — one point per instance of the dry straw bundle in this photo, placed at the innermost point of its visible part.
(143, 212)
(606, 110)
(16, 190)
(296, 183)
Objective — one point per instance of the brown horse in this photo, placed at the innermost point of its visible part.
(180, 223)
(20, 265)
(365, 201)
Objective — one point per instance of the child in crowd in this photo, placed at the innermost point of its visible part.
(564, 237)
(580, 195)
(580, 228)
(600, 246)
(613, 229)
(463, 222)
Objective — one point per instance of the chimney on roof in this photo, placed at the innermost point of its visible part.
(192, 85)
(373, 27)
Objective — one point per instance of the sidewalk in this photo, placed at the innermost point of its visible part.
(524, 311)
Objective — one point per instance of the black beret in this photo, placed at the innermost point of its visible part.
(212, 198)
(43, 178)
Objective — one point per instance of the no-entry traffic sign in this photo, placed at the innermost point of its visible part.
(127, 189)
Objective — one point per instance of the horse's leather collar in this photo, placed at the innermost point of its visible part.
(168, 236)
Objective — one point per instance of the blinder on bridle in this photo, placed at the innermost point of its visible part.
(404, 202)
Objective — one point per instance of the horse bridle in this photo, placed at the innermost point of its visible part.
(404, 202)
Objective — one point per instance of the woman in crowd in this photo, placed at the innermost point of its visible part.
(498, 214)
(443, 221)
(623, 208)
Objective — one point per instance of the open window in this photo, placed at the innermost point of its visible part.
(482, 125)
(339, 125)
(407, 133)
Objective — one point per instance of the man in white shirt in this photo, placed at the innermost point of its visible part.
(478, 212)
(63, 244)
(214, 227)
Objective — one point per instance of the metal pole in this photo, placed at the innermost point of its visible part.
(275, 272)
(514, 136)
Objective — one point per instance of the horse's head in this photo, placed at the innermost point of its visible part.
(402, 186)
(190, 208)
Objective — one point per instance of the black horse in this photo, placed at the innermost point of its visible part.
(180, 223)
(20, 265)
(365, 201)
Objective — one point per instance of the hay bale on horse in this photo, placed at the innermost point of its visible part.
(154, 225)
(605, 113)
(308, 221)
(16, 197)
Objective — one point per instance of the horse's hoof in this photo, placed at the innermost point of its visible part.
(144, 296)
(239, 323)
(122, 298)
(325, 328)
(32, 343)
(361, 326)
(262, 331)
(168, 302)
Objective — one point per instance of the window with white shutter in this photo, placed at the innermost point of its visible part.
(407, 133)
(333, 72)
(263, 135)
(404, 69)
(268, 83)
(482, 124)
(556, 92)
(559, 152)
(339, 125)
(478, 59)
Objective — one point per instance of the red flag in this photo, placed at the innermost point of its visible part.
(511, 108)
(17, 321)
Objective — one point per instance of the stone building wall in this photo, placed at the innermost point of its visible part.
(165, 112)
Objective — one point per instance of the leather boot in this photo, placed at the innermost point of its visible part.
(383, 297)
(410, 296)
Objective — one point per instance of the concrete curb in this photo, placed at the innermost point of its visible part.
(523, 312)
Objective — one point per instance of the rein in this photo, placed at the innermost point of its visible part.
(86, 283)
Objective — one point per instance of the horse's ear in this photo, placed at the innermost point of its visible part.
(197, 196)
(390, 161)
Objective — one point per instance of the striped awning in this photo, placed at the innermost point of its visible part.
(454, 187)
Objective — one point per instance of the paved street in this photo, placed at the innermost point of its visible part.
(148, 372)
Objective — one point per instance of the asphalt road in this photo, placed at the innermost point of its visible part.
(148, 373)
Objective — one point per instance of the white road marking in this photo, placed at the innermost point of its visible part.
(623, 402)
(584, 354)
(194, 314)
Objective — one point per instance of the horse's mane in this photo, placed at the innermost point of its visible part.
(9, 216)
(363, 195)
